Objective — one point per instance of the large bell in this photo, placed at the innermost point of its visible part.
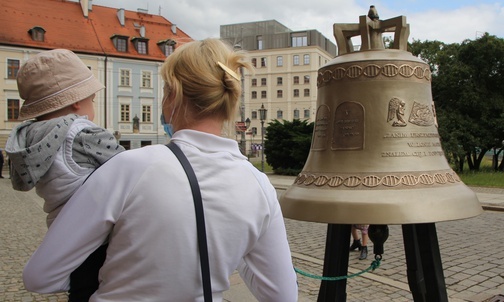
(376, 155)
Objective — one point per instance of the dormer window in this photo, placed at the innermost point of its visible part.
(120, 43)
(141, 45)
(37, 33)
(167, 46)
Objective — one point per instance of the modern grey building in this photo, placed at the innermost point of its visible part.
(285, 80)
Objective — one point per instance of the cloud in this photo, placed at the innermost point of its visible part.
(448, 22)
(459, 24)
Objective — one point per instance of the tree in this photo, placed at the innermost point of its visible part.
(468, 91)
(287, 145)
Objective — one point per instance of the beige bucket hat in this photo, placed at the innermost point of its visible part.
(52, 80)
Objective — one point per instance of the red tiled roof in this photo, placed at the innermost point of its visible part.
(66, 27)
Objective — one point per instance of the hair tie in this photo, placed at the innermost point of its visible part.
(228, 70)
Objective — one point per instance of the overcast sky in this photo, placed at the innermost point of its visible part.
(448, 21)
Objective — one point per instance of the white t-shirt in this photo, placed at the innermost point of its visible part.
(142, 199)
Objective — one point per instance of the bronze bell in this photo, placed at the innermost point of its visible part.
(376, 155)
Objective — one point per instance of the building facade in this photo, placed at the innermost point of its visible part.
(285, 79)
(124, 50)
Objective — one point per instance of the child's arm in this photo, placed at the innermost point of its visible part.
(93, 146)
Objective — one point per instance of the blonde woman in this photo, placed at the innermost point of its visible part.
(142, 201)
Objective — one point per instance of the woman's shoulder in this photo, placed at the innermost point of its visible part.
(142, 156)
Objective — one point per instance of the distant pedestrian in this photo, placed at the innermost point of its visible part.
(57, 146)
(1, 162)
(360, 243)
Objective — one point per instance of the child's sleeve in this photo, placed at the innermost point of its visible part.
(93, 146)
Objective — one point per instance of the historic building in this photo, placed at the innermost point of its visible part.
(285, 79)
(124, 49)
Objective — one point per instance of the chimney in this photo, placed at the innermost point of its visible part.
(120, 16)
(85, 7)
(174, 29)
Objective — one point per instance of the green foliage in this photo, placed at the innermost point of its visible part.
(468, 90)
(287, 145)
(485, 177)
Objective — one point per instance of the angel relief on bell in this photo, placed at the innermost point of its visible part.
(396, 112)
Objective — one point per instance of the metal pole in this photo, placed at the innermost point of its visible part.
(262, 145)
(335, 263)
(243, 143)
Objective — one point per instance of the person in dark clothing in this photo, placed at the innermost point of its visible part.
(1, 162)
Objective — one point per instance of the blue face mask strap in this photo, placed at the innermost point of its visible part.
(168, 128)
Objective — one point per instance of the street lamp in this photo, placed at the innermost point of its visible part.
(262, 117)
(247, 125)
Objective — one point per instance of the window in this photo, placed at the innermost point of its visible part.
(296, 92)
(146, 114)
(125, 144)
(146, 79)
(254, 62)
(306, 59)
(296, 60)
(125, 77)
(279, 61)
(37, 33)
(12, 109)
(169, 49)
(141, 45)
(120, 43)
(145, 143)
(279, 93)
(263, 94)
(279, 113)
(254, 94)
(254, 82)
(263, 81)
(254, 130)
(279, 81)
(307, 92)
(125, 113)
(12, 68)
(263, 62)
(307, 79)
(307, 113)
(296, 113)
(254, 115)
(259, 42)
(296, 80)
(299, 40)
(167, 46)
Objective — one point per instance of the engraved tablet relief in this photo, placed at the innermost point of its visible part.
(319, 141)
(348, 127)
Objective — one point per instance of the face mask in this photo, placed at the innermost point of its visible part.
(168, 127)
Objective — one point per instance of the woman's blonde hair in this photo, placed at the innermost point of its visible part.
(197, 85)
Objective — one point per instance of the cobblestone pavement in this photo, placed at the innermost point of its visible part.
(473, 260)
(22, 227)
(471, 251)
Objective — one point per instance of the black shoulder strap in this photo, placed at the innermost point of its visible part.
(200, 220)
